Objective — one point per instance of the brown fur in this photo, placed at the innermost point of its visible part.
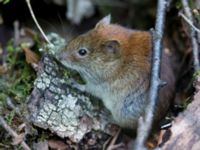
(119, 74)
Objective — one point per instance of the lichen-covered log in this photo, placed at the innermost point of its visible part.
(186, 128)
(55, 105)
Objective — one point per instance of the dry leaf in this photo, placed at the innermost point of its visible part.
(18, 139)
(21, 127)
(31, 57)
(164, 137)
(3, 69)
(57, 144)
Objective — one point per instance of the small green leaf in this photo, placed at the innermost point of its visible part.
(6, 1)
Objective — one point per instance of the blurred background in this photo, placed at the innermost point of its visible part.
(69, 17)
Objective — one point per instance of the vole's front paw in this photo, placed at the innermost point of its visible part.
(76, 85)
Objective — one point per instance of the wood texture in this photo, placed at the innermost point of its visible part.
(186, 127)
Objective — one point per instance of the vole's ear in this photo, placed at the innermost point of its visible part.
(112, 47)
(104, 21)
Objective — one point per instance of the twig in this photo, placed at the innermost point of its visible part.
(144, 124)
(13, 106)
(188, 13)
(12, 133)
(36, 22)
(16, 33)
(189, 22)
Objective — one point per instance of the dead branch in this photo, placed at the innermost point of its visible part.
(188, 13)
(144, 124)
(12, 133)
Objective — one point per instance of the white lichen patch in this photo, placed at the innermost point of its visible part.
(61, 128)
(49, 106)
(57, 43)
(71, 101)
(40, 85)
(70, 115)
(54, 119)
(47, 81)
(62, 103)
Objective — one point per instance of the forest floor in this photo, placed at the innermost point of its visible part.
(17, 75)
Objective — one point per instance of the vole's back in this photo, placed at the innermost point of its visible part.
(129, 83)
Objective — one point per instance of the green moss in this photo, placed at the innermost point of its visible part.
(195, 76)
(178, 4)
(18, 80)
(16, 84)
(10, 117)
(21, 83)
(186, 102)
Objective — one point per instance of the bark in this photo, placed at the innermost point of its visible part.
(185, 130)
(55, 105)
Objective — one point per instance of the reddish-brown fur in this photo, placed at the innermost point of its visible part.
(119, 73)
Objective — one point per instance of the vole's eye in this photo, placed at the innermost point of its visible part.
(82, 52)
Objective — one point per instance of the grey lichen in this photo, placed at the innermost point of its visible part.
(55, 105)
(58, 43)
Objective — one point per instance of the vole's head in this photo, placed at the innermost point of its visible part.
(95, 52)
(101, 51)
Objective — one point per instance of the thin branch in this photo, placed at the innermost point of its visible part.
(12, 133)
(16, 33)
(144, 124)
(12, 106)
(36, 22)
(188, 13)
(189, 22)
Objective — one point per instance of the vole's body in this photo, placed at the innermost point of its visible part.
(116, 68)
